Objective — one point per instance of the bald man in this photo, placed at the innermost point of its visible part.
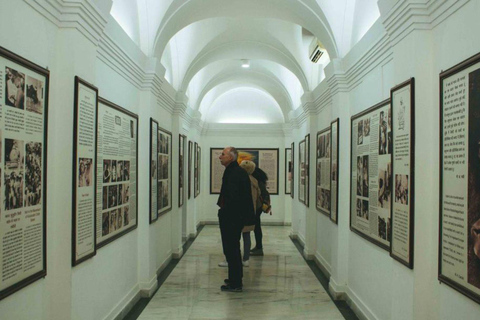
(236, 211)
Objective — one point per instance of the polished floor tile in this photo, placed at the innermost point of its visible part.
(278, 285)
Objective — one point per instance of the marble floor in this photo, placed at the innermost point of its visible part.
(278, 285)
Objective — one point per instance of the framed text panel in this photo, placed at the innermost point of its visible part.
(323, 167)
(164, 176)
(153, 170)
(334, 182)
(288, 170)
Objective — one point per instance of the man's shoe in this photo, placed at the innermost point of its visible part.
(228, 288)
(223, 264)
(246, 263)
(227, 281)
(256, 252)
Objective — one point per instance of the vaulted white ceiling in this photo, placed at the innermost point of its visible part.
(201, 44)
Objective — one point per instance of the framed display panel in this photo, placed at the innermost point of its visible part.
(323, 167)
(459, 229)
(164, 176)
(292, 180)
(117, 160)
(301, 171)
(402, 99)
(196, 169)
(181, 168)
(334, 143)
(288, 170)
(266, 159)
(199, 169)
(153, 216)
(84, 196)
(23, 172)
(190, 154)
(371, 174)
(307, 170)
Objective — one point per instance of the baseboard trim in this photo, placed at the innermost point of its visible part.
(148, 290)
(359, 307)
(125, 305)
(323, 265)
(337, 291)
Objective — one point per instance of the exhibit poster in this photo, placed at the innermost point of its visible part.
(302, 173)
(190, 155)
(402, 98)
(264, 158)
(334, 143)
(459, 247)
(371, 174)
(196, 169)
(23, 163)
(164, 173)
(292, 172)
(288, 170)
(181, 162)
(117, 175)
(84, 174)
(323, 193)
(153, 170)
(199, 169)
(307, 170)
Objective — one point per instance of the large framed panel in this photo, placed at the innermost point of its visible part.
(301, 171)
(23, 172)
(196, 171)
(117, 161)
(371, 174)
(402, 98)
(84, 195)
(288, 170)
(334, 182)
(323, 167)
(181, 169)
(292, 179)
(153, 216)
(164, 177)
(307, 170)
(266, 159)
(459, 229)
(190, 155)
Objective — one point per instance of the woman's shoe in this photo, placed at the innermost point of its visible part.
(256, 252)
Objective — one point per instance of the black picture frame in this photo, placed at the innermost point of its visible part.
(76, 107)
(292, 181)
(301, 170)
(307, 170)
(133, 227)
(288, 169)
(196, 173)
(43, 72)
(181, 164)
(335, 174)
(190, 154)
(409, 84)
(317, 176)
(369, 238)
(469, 63)
(153, 183)
(168, 134)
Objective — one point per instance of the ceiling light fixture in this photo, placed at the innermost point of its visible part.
(245, 63)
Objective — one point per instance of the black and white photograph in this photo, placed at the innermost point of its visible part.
(384, 185)
(105, 198)
(382, 228)
(107, 171)
(14, 88)
(114, 171)
(365, 209)
(85, 171)
(359, 176)
(112, 196)
(34, 95)
(383, 134)
(126, 217)
(120, 194)
(120, 171)
(365, 177)
(105, 223)
(359, 207)
(366, 127)
(360, 133)
(33, 173)
(14, 154)
(401, 189)
(126, 170)
(13, 189)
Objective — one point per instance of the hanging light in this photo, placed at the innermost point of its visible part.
(245, 63)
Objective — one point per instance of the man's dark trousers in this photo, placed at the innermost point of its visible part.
(231, 233)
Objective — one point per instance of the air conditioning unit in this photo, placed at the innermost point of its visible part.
(316, 50)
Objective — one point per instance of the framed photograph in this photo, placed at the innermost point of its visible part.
(117, 162)
(190, 155)
(23, 172)
(288, 170)
(402, 98)
(292, 179)
(323, 167)
(153, 170)
(265, 158)
(371, 174)
(164, 176)
(459, 237)
(307, 170)
(302, 172)
(334, 154)
(84, 196)
(181, 163)
(196, 171)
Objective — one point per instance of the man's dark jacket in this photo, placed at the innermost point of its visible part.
(235, 200)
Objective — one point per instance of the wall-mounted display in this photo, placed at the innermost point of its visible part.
(292, 172)
(153, 170)
(371, 174)
(334, 143)
(23, 164)
(264, 158)
(307, 170)
(302, 171)
(288, 170)
(459, 247)
(190, 155)
(181, 162)
(402, 98)
(117, 160)
(323, 198)
(164, 176)
(84, 196)
(196, 171)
